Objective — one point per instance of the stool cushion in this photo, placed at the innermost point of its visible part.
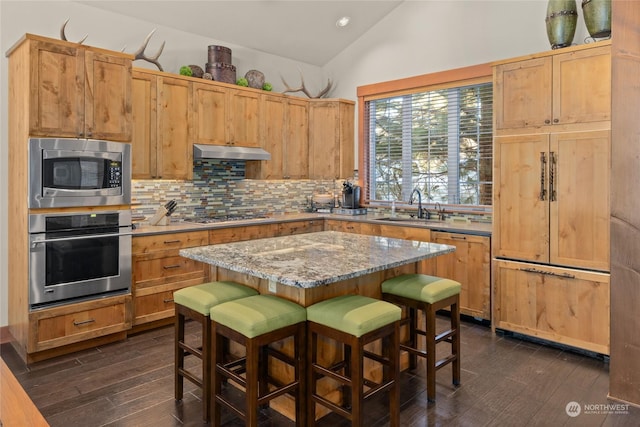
(202, 297)
(421, 287)
(257, 315)
(354, 314)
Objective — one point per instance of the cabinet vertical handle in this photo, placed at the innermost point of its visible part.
(553, 162)
(543, 168)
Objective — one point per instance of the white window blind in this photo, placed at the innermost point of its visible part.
(438, 141)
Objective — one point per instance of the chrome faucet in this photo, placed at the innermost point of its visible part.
(416, 191)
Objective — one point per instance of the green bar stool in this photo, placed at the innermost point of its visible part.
(194, 303)
(354, 321)
(429, 294)
(255, 323)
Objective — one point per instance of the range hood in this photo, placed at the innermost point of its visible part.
(204, 151)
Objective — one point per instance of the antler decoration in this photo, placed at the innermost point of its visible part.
(303, 89)
(63, 35)
(153, 59)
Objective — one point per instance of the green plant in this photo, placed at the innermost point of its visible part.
(242, 82)
(267, 86)
(185, 70)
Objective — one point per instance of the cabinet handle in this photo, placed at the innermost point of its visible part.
(543, 168)
(167, 267)
(547, 122)
(166, 301)
(458, 237)
(83, 322)
(553, 162)
(556, 120)
(172, 241)
(548, 273)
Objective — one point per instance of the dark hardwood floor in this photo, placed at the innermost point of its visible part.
(506, 381)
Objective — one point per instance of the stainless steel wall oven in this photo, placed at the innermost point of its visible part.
(77, 256)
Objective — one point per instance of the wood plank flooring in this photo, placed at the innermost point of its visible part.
(506, 381)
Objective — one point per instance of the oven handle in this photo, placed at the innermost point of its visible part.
(93, 236)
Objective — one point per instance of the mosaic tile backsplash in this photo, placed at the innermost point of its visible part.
(219, 188)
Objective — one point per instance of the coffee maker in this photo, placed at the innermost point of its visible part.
(350, 195)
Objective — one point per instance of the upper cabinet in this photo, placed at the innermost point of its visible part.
(556, 89)
(331, 138)
(225, 116)
(161, 143)
(77, 91)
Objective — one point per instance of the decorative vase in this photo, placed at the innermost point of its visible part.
(597, 17)
(561, 19)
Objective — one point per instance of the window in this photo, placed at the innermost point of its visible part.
(438, 140)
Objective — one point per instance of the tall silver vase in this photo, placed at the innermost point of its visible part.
(561, 19)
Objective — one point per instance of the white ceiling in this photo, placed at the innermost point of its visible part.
(302, 30)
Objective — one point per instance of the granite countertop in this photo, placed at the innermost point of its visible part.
(315, 259)
(476, 228)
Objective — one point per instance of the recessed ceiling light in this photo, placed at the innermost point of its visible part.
(343, 22)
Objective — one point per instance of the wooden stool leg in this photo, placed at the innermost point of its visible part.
(312, 357)
(251, 392)
(357, 380)
(413, 336)
(455, 341)
(206, 369)
(179, 356)
(430, 319)
(393, 354)
(347, 392)
(216, 378)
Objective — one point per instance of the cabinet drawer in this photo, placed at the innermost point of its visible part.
(164, 242)
(69, 324)
(299, 227)
(154, 271)
(237, 234)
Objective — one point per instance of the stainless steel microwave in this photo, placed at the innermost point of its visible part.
(78, 172)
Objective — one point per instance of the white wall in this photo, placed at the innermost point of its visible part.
(418, 37)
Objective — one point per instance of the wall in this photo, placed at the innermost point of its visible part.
(417, 37)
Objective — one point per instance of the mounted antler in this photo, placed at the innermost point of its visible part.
(303, 89)
(154, 59)
(63, 35)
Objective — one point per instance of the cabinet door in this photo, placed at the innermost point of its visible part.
(582, 86)
(57, 79)
(243, 118)
(469, 265)
(144, 131)
(579, 206)
(563, 305)
(324, 140)
(296, 141)
(175, 150)
(522, 93)
(209, 109)
(521, 206)
(273, 136)
(107, 97)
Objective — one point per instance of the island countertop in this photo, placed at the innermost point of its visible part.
(315, 259)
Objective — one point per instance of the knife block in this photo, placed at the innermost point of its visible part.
(160, 217)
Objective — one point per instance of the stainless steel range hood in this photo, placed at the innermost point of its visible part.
(203, 151)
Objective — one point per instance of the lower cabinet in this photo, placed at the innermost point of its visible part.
(567, 306)
(159, 270)
(69, 324)
(470, 265)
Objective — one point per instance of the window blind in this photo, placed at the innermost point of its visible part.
(439, 141)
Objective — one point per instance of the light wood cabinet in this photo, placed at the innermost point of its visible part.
(69, 324)
(554, 89)
(551, 198)
(470, 265)
(285, 135)
(159, 270)
(331, 139)
(78, 91)
(161, 144)
(299, 227)
(562, 305)
(243, 118)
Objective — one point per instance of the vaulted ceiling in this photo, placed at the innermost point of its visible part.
(302, 30)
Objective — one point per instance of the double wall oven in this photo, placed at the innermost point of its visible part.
(79, 220)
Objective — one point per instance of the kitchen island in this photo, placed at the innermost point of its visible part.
(308, 268)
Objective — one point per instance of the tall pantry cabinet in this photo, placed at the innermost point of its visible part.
(552, 153)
